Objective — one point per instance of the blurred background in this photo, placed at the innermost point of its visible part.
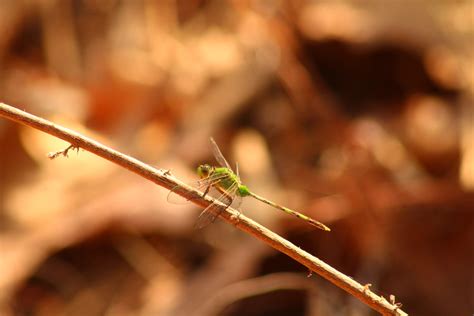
(357, 113)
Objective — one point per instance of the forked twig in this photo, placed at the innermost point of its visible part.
(64, 152)
(165, 179)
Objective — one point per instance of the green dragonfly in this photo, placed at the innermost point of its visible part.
(228, 184)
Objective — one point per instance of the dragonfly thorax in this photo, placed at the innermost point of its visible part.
(223, 179)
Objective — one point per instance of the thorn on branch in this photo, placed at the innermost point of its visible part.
(394, 302)
(54, 155)
(367, 288)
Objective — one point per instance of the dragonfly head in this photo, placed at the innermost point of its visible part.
(204, 171)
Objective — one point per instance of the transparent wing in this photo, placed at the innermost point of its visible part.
(218, 155)
(211, 212)
(201, 185)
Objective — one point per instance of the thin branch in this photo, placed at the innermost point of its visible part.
(165, 179)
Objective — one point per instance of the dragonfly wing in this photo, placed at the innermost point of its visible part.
(210, 213)
(201, 185)
(207, 216)
(175, 198)
(218, 155)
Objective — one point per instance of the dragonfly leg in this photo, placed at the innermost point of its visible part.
(230, 202)
(206, 191)
(237, 208)
(216, 214)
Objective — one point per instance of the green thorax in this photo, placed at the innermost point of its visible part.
(226, 179)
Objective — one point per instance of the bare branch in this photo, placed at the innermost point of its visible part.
(165, 179)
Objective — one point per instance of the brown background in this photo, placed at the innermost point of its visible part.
(357, 113)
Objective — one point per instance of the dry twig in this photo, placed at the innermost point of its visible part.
(165, 179)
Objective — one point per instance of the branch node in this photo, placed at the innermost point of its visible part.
(394, 302)
(367, 288)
